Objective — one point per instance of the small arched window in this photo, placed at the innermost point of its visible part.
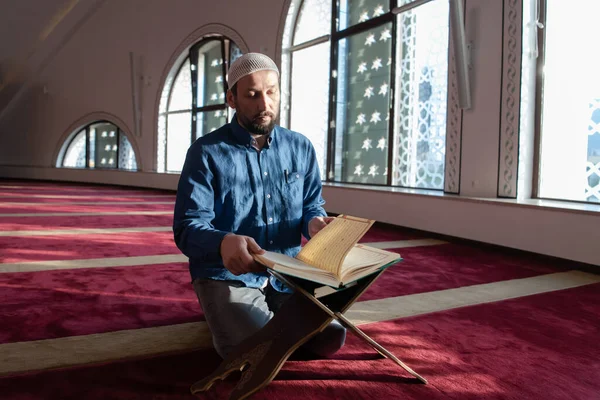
(193, 100)
(100, 144)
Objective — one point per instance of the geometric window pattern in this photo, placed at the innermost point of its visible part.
(100, 144)
(349, 114)
(421, 103)
(592, 190)
(363, 96)
(193, 100)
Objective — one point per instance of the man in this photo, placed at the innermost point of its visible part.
(248, 186)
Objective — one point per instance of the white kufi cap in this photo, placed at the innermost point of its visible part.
(248, 64)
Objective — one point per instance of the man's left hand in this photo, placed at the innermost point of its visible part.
(318, 223)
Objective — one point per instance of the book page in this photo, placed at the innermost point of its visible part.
(362, 257)
(328, 248)
(294, 267)
(363, 260)
(273, 260)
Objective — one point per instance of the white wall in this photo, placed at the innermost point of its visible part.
(90, 74)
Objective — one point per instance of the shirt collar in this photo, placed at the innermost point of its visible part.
(243, 137)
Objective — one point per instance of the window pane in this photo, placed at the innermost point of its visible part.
(126, 154)
(234, 52)
(570, 138)
(179, 131)
(352, 12)
(314, 20)
(75, 154)
(310, 113)
(209, 121)
(363, 78)
(211, 85)
(92, 148)
(181, 96)
(421, 101)
(528, 92)
(105, 154)
(593, 152)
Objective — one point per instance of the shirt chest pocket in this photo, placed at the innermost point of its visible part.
(292, 178)
(293, 186)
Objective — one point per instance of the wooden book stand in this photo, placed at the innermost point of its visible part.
(302, 316)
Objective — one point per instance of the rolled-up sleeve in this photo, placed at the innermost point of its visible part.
(194, 212)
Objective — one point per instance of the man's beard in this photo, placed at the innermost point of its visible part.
(253, 126)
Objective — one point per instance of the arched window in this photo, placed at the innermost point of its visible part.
(193, 99)
(100, 144)
(370, 88)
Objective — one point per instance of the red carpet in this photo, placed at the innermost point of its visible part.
(52, 304)
(84, 301)
(447, 266)
(537, 347)
(76, 193)
(386, 233)
(517, 349)
(87, 198)
(94, 294)
(84, 221)
(21, 187)
(77, 208)
(72, 247)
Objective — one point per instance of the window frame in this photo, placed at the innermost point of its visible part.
(87, 146)
(193, 52)
(454, 112)
(541, 41)
(336, 37)
(539, 99)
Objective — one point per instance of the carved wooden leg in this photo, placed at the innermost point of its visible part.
(261, 356)
(342, 301)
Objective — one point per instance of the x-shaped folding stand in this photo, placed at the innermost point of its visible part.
(302, 316)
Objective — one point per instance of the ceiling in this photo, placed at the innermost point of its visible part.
(30, 33)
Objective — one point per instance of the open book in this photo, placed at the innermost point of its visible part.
(333, 256)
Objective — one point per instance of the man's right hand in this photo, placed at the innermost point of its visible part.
(237, 250)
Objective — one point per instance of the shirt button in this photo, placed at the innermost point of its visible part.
(268, 196)
(297, 175)
(266, 173)
(270, 242)
(270, 219)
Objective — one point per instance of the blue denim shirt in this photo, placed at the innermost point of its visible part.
(226, 185)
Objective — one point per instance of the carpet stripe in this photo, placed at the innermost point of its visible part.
(51, 208)
(423, 303)
(79, 214)
(75, 196)
(78, 350)
(78, 187)
(32, 266)
(77, 247)
(398, 244)
(125, 344)
(86, 221)
(26, 204)
(85, 231)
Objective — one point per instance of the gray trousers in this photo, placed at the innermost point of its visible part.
(234, 312)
